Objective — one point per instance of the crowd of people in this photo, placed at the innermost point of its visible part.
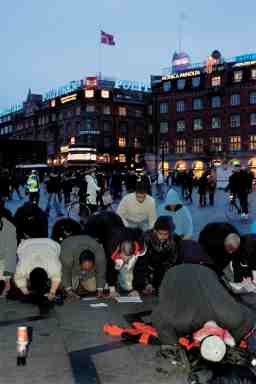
(133, 252)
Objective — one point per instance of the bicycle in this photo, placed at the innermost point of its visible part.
(78, 207)
(233, 210)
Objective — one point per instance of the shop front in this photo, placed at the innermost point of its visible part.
(181, 166)
(252, 165)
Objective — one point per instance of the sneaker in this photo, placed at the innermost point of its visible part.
(243, 215)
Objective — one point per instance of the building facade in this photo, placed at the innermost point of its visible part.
(207, 113)
(109, 116)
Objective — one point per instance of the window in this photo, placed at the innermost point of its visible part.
(235, 121)
(235, 100)
(107, 141)
(89, 93)
(122, 142)
(106, 110)
(198, 145)
(238, 76)
(234, 143)
(90, 108)
(164, 127)
(196, 82)
(122, 111)
(216, 81)
(253, 73)
(89, 125)
(167, 86)
(60, 116)
(137, 143)
(253, 119)
(150, 109)
(138, 113)
(252, 98)
(180, 106)
(216, 122)
(163, 107)
(252, 143)
(180, 126)
(180, 146)
(123, 128)
(122, 158)
(105, 94)
(181, 84)
(164, 147)
(53, 117)
(216, 143)
(107, 127)
(197, 103)
(78, 111)
(197, 124)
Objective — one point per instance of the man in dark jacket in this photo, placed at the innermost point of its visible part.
(82, 259)
(165, 250)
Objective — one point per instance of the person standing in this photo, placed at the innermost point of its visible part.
(160, 185)
(202, 189)
(53, 191)
(33, 186)
(92, 189)
(190, 184)
(211, 185)
(138, 210)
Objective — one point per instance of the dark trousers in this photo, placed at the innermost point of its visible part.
(202, 199)
(211, 196)
(34, 197)
(66, 196)
(93, 208)
(243, 199)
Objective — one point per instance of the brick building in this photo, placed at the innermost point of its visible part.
(206, 113)
(110, 116)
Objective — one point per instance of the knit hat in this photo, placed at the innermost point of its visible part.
(86, 255)
(164, 223)
(213, 349)
(64, 228)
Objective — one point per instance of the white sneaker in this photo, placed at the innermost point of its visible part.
(243, 215)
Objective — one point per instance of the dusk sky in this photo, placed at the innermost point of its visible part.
(46, 44)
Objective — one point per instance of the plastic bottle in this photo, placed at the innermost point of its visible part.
(22, 343)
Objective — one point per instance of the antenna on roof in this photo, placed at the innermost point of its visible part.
(182, 18)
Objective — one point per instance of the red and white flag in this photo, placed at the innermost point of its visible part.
(106, 38)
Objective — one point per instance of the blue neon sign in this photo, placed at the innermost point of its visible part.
(12, 109)
(244, 58)
(64, 90)
(132, 85)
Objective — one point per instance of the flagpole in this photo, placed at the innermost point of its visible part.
(100, 53)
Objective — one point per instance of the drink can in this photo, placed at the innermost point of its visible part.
(22, 335)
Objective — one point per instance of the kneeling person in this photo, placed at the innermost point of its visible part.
(38, 272)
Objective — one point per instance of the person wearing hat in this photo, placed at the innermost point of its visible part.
(38, 271)
(192, 295)
(180, 215)
(92, 189)
(64, 228)
(30, 221)
(84, 266)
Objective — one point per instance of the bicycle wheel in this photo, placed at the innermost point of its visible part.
(73, 209)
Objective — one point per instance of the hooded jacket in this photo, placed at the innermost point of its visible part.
(37, 253)
(181, 217)
(126, 269)
(71, 249)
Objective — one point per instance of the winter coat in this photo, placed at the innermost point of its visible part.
(37, 253)
(131, 211)
(71, 249)
(8, 247)
(181, 216)
(191, 295)
(92, 189)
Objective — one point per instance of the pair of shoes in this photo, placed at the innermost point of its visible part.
(244, 216)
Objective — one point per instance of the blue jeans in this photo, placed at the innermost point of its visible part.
(56, 203)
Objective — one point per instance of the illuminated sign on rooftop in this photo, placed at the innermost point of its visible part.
(12, 109)
(130, 85)
(68, 98)
(182, 75)
(64, 90)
